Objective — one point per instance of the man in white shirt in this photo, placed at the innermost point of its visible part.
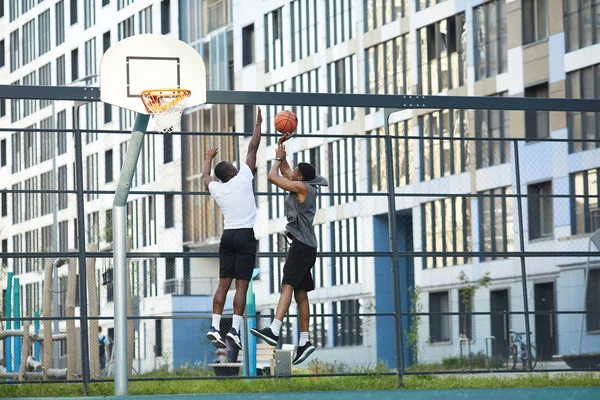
(237, 252)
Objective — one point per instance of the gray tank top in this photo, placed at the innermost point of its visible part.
(300, 217)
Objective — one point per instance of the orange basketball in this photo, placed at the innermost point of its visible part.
(286, 122)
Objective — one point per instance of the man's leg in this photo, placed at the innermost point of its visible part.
(301, 297)
(214, 333)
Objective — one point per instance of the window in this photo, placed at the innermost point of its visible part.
(165, 17)
(377, 14)
(537, 123)
(158, 338)
(339, 21)
(584, 83)
(149, 277)
(341, 79)
(62, 185)
(581, 28)
(584, 202)
(107, 113)
(2, 56)
(59, 15)
(215, 15)
(303, 18)
(402, 149)
(592, 302)
(31, 199)
(442, 58)
(141, 221)
(47, 238)
(30, 144)
(32, 246)
(93, 227)
(46, 151)
(61, 74)
(1, 12)
(105, 2)
(439, 325)
(105, 41)
(490, 36)
(495, 222)
(27, 5)
(45, 75)
(535, 12)
(90, 57)
(446, 225)
(13, 9)
(18, 248)
(167, 148)
(61, 124)
(423, 4)
(89, 13)
(46, 184)
(320, 325)
(29, 42)
(271, 112)
(344, 239)
(492, 124)
(169, 211)
(441, 158)
(248, 45)
(145, 19)
(465, 322)
(127, 28)
(16, 143)
(4, 204)
(92, 176)
(347, 329)
(388, 67)
(274, 40)
(63, 236)
(29, 105)
(44, 38)
(4, 252)
(15, 57)
(74, 11)
(2, 107)
(123, 3)
(74, 64)
(3, 153)
(308, 117)
(540, 210)
(108, 166)
(342, 174)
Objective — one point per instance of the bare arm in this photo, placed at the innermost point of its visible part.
(206, 178)
(284, 167)
(254, 143)
(284, 183)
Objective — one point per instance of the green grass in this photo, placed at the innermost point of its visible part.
(303, 384)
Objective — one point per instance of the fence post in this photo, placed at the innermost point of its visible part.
(394, 249)
(83, 313)
(522, 246)
(120, 252)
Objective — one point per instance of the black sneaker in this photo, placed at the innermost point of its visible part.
(302, 353)
(267, 335)
(215, 337)
(236, 340)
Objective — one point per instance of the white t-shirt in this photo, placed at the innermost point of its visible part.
(236, 199)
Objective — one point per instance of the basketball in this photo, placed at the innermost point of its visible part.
(286, 122)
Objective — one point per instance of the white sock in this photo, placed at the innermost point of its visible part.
(216, 321)
(237, 322)
(276, 327)
(303, 339)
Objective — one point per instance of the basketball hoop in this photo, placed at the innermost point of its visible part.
(167, 106)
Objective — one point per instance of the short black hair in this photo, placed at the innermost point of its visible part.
(308, 171)
(221, 171)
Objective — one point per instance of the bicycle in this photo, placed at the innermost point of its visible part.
(517, 352)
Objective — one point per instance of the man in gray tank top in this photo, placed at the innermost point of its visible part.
(302, 183)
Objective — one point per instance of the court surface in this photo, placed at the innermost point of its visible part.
(542, 393)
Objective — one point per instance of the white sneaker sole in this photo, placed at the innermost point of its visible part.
(304, 355)
(216, 340)
(263, 337)
(236, 341)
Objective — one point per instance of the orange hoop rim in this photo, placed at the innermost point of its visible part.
(152, 98)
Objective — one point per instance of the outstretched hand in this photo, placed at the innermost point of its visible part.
(280, 152)
(212, 153)
(285, 137)
(258, 117)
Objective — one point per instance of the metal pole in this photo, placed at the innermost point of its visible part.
(55, 286)
(394, 250)
(83, 312)
(522, 244)
(120, 252)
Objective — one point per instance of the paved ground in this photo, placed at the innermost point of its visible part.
(495, 394)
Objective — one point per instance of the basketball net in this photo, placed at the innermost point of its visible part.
(167, 106)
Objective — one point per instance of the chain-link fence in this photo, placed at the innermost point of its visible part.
(449, 242)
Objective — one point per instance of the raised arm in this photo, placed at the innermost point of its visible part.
(206, 178)
(254, 142)
(284, 167)
(284, 183)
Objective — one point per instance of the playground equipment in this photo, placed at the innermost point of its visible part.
(20, 365)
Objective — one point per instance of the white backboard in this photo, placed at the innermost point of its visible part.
(146, 62)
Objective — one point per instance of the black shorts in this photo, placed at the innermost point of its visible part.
(237, 254)
(296, 271)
